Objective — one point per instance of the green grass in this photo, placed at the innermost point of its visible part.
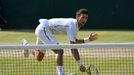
(29, 66)
(15, 37)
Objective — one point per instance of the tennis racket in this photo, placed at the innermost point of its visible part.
(92, 70)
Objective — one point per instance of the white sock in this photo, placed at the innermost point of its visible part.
(60, 70)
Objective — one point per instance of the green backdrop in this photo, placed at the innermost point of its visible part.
(104, 14)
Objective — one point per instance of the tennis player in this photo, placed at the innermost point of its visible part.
(69, 26)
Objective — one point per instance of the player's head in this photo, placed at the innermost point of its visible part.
(82, 16)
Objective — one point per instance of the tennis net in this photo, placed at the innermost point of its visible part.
(109, 58)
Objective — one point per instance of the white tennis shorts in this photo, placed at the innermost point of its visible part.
(44, 35)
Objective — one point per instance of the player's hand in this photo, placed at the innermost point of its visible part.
(93, 36)
(82, 68)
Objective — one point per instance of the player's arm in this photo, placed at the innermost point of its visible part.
(76, 55)
(75, 52)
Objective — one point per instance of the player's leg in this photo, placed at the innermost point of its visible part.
(39, 54)
(42, 38)
(59, 52)
(59, 57)
(48, 38)
(59, 60)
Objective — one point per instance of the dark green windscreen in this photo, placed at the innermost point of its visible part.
(104, 14)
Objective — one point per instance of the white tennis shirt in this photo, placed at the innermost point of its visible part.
(67, 26)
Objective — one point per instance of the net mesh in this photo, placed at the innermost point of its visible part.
(110, 59)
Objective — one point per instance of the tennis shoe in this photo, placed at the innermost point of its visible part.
(25, 51)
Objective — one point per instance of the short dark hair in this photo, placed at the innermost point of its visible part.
(81, 11)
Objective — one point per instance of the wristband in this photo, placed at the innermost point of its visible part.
(86, 40)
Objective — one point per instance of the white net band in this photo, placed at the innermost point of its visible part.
(62, 46)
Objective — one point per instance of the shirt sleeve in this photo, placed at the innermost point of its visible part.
(72, 32)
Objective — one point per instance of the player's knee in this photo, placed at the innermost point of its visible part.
(74, 51)
(58, 51)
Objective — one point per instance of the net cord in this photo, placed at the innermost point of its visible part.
(62, 46)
